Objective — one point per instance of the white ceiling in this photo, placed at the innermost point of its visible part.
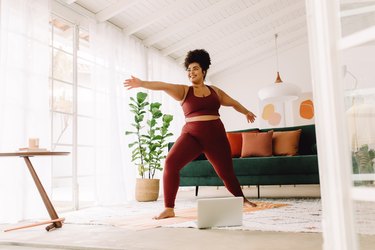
(234, 32)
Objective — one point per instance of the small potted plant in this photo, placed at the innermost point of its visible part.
(363, 163)
(151, 129)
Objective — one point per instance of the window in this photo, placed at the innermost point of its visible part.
(72, 109)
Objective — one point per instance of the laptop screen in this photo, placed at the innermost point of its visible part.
(220, 212)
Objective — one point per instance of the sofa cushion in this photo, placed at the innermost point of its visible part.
(259, 166)
(256, 144)
(286, 142)
(276, 165)
(307, 139)
(235, 142)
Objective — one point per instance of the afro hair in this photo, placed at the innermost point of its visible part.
(199, 56)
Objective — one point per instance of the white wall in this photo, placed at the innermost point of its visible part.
(244, 83)
(360, 62)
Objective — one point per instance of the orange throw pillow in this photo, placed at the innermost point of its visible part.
(235, 141)
(257, 144)
(286, 142)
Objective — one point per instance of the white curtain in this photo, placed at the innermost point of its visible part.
(164, 69)
(24, 104)
(116, 57)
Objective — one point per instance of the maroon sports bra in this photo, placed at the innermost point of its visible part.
(195, 106)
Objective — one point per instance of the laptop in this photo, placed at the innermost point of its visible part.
(220, 212)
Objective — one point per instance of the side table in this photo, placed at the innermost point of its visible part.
(55, 221)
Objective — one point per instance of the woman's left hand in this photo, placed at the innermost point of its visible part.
(250, 117)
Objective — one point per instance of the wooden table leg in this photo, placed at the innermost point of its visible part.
(51, 210)
(37, 224)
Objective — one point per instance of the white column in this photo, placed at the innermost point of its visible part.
(333, 150)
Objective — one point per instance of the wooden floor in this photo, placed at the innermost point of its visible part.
(108, 237)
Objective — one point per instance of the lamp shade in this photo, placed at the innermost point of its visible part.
(279, 92)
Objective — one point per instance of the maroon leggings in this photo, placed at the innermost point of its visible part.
(208, 137)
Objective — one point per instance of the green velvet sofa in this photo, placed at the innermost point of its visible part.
(273, 170)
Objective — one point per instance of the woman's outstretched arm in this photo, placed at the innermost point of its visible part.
(177, 91)
(226, 100)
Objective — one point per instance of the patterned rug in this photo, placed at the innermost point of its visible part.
(296, 215)
(281, 215)
(136, 216)
(300, 215)
(187, 215)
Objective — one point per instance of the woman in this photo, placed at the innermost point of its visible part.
(203, 131)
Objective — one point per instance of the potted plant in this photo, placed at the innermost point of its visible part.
(149, 144)
(363, 163)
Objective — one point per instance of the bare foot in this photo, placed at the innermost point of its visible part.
(247, 203)
(167, 213)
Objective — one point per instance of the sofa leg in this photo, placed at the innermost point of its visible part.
(196, 190)
(258, 188)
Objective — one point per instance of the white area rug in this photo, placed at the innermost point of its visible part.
(300, 215)
(104, 215)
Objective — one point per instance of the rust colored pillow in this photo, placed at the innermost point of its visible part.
(257, 144)
(286, 142)
(235, 141)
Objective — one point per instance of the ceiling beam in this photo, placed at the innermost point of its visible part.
(258, 44)
(357, 11)
(218, 25)
(146, 21)
(258, 51)
(260, 54)
(285, 31)
(186, 21)
(357, 1)
(266, 54)
(70, 1)
(357, 38)
(114, 9)
(61, 7)
(259, 26)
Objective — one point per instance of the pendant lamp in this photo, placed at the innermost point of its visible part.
(279, 91)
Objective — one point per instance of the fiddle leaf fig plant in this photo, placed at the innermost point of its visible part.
(363, 159)
(150, 135)
(137, 107)
(363, 163)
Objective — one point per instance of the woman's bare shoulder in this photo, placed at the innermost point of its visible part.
(217, 89)
(186, 90)
(184, 86)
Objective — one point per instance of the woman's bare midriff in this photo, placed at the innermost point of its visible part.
(202, 118)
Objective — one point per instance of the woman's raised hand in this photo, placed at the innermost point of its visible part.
(250, 117)
(133, 82)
